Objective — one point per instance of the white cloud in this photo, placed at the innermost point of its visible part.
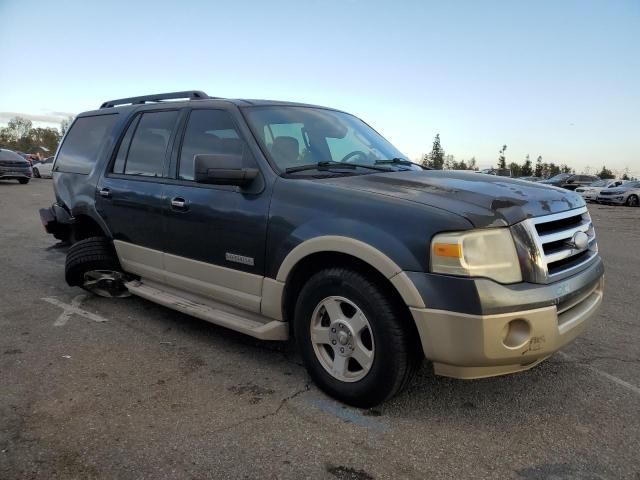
(53, 117)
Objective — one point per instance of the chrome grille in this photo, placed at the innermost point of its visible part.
(546, 245)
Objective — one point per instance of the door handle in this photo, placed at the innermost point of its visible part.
(105, 192)
(179, 203)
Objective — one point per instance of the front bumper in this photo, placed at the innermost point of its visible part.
(492, 341)
(589, 195)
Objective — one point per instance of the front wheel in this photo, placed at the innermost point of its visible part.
(36, 173)
(23, 181)
(357, 345)
(632, 201)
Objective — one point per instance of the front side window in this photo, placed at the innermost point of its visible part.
(296, 136)
(79, 151)
(149, 138)
(208, 132)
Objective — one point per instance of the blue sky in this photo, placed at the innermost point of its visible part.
(559, 79)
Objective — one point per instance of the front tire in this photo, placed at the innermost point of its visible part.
(356, 343)
(632, 201)
(23, 181)
(92, 264)
(36, 173)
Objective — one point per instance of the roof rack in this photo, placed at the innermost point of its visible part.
(189, 94)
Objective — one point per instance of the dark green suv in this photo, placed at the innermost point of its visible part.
(281, 219)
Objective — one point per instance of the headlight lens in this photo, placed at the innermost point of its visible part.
(487, 253)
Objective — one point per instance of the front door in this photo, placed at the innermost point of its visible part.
(215, 234)
(131, 196)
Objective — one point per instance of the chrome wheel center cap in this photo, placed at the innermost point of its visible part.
(343, 338)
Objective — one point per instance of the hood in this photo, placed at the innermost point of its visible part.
(485, 200)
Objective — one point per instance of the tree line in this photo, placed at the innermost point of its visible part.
(20, 135)
(437, 159)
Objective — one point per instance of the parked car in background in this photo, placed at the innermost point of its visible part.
(43, 168)
(530, 179)
(569, 181)
(14, 166)
(626, 194)
(590, 192)
(500, 172)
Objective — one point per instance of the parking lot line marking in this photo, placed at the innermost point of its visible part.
(606, 375)
(346, 413)
(70, 309)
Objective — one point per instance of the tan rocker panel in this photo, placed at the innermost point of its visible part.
(219, 283)
(249, 291)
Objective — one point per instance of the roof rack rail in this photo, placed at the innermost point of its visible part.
(189, 94)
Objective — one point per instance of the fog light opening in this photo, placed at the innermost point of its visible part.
(516, 333)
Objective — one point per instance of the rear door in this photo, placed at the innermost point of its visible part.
(216, 234)
(131, 196)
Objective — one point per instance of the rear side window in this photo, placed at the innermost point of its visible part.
(79, 152)
(9, 156)
(144, 146)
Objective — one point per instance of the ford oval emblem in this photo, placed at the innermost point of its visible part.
(579, 241)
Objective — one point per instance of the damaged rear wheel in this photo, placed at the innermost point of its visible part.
(92, 264)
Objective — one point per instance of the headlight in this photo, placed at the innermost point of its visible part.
(487, 253)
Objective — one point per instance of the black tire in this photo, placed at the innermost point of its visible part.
(23, 181)
(36, 173)
(632, 201)
(95, 253)
(397, 350)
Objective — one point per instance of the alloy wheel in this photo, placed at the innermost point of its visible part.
(342, 339)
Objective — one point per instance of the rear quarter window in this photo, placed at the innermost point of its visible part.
(9, 156)
(79, 152)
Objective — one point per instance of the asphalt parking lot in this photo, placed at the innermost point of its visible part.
(123, 388)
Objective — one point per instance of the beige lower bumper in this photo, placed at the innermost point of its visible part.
(476, 346)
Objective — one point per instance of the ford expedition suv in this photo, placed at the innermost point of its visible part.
(282, 219)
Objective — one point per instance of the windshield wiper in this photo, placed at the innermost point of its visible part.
(400, 161)
(325, 165)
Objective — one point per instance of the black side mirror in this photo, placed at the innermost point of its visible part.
(222, 169)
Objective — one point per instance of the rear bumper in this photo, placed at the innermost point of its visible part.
(496, 340)
(7, 173)
(56, 221)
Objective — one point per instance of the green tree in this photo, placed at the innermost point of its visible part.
(516, 170)
(64, 125)
(526, 170)
(436, 157)
(20, 135)
(606, 173)
(564, 168)
(539, 170)
(473, 165)
(502, 159)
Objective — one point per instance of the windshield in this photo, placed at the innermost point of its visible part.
(600, 183)
(299, 136)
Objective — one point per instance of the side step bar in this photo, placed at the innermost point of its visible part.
(241, 321)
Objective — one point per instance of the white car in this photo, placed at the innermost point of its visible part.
(43, 168)
(590, 192)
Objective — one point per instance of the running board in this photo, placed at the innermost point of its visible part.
(249, 323)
